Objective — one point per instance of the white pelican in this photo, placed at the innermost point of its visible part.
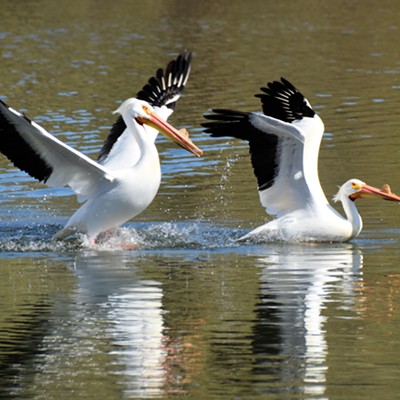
(284, 145)
(127, 176)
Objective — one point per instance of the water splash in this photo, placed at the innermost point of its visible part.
(166, 235)
(163, 235)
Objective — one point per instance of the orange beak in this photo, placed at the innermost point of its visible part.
(370, 191)
(155, 121)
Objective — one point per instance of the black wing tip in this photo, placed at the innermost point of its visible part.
(158, 91)
(276, 88)
(228, 123)
(263, 147)
(283, 101)
(14, 126)
(185, 57)
(226, 111)
(165, 86)
(224, 115)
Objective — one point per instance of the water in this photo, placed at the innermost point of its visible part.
(190, 312)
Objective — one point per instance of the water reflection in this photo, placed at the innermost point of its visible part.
(290, 334)
(147, 324)
(132, 311)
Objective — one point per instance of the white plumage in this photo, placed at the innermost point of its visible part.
(284, 144)
(127, 175)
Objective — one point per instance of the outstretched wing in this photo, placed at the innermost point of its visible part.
(277, 138)
(162, 91)
(32, 149)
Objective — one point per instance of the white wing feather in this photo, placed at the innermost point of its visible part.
(296, 184)
(70, 167)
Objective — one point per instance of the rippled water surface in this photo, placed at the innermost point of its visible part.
(171, 306)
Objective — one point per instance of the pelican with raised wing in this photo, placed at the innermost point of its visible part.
(284, 144)
(126, 178)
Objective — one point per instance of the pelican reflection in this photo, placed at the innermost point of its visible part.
(296, 285)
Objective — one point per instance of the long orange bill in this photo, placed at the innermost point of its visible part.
(172, 134)
(370, 191)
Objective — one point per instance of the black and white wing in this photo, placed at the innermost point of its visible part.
(162, 91)
(278, 138)
(32, 149)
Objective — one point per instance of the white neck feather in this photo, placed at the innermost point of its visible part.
(352, 215)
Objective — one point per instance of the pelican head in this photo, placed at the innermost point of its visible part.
(355, 189)
(143, 113)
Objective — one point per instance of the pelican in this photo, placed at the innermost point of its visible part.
(126, 177)
(284, 144)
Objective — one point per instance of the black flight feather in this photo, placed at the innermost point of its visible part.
(280, 100)
(163, 89)
(16, 149)
(166, 86)
(263, 146)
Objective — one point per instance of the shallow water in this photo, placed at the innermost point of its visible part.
(172, 306)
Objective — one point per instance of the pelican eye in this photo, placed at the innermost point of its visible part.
(355, 185)
(146, 109)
